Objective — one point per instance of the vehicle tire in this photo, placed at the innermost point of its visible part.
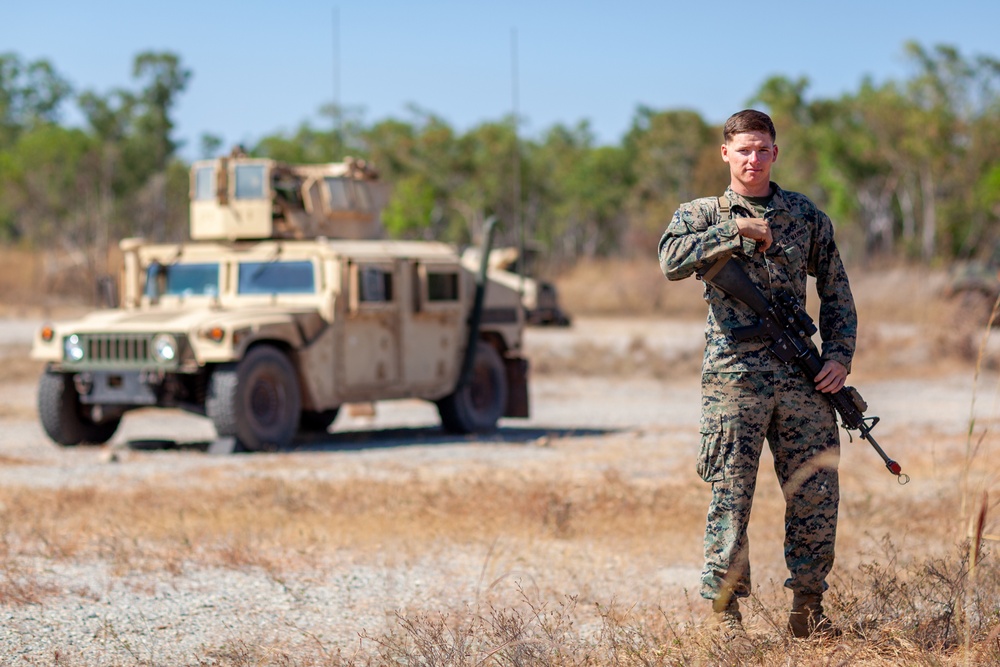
(257, 400)
(64, 418)
(317, 421)
(477, 406)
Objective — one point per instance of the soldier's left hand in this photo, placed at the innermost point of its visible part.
(831, 377)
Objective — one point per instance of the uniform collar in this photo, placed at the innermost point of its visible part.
(778, 199)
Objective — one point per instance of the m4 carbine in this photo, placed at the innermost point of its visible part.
(788, 329)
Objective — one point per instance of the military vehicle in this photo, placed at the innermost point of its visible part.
(540, 298)
(286, 305)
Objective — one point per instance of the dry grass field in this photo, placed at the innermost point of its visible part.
(571, 539)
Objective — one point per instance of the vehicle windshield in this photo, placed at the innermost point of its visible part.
(182, 279)
(277, 278)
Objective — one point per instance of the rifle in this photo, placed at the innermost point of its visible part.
(788, 329)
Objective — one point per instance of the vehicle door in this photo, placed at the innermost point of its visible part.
(435, 330)
(369, 354)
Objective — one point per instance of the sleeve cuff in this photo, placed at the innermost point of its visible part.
(840, 355)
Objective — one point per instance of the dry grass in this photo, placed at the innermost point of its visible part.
(20, 275)
(902, 599)
(268, 520)
(51, 283)
(619, 287)
(628, 287)
(908, 328)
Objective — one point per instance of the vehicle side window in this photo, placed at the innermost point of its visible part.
(375, 285)
(364, 200)
(204, 184)
(276, 278)
(347, 195)
(442, 286)
(340, 199)
(249, 181)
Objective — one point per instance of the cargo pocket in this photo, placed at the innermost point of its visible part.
(714, 449)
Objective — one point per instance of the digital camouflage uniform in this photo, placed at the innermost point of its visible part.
(748, 394)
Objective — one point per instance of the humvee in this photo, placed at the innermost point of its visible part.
(540, 298)
(286, 305)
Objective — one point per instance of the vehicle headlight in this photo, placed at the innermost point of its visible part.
(164, 347)
(73, 348)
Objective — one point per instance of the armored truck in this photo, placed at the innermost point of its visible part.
(285, 305)
(540, 298)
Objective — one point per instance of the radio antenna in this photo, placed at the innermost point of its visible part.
(515, 111)
(336, 75)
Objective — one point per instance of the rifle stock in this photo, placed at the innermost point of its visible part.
(788, 329)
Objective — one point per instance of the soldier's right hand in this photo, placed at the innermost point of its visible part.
(757, 229)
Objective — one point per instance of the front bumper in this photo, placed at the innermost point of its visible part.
(133, 388)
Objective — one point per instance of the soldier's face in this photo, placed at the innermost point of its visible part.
(750, 156)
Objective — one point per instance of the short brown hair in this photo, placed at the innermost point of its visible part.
(748, 120)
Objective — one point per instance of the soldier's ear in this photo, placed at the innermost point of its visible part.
(725, 153)
(774, 154)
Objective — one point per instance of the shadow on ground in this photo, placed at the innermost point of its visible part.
(356, 440)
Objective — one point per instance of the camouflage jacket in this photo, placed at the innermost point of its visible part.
(803, 245)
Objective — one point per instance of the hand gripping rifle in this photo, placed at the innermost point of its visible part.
(788, 329)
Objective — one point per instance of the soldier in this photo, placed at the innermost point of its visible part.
(748, 394)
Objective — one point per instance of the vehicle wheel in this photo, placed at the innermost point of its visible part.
(476, 406)
(257, 400)
(63, 417)
(317, 421)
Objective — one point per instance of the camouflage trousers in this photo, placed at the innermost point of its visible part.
(740, 410)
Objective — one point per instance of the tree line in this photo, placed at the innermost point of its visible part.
(906, 169)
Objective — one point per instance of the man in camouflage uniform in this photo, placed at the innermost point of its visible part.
(778, 238)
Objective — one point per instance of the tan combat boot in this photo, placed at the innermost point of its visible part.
(727, 620)
(808, 620)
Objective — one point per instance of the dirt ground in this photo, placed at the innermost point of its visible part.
(630, 431)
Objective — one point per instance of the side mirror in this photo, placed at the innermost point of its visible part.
(156, 281)
(107, 292)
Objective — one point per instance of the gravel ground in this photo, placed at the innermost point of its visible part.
(642, 428)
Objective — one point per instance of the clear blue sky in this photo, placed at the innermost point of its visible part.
(264, 67)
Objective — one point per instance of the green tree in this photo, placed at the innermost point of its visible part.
(675, 157)
(580, 193)
(163, 78)
(312, 145)
(137, 150)
(435, 164)
(31, 95)
(50, 188)
(209, 145)
(411, 209)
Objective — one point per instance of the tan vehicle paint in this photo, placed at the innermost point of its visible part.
(284, 306)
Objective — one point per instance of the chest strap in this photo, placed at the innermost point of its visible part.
(725, 209)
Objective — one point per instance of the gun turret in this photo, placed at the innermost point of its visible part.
(244, 198)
